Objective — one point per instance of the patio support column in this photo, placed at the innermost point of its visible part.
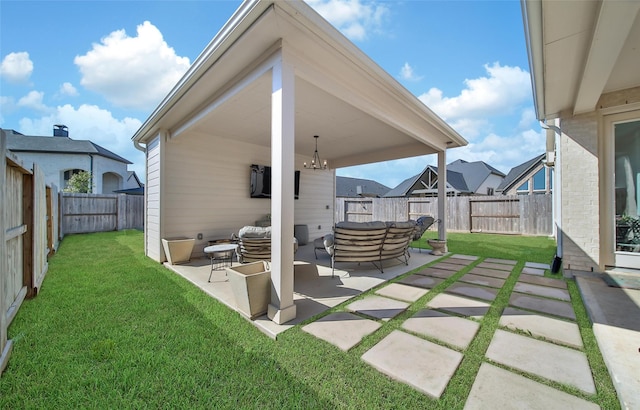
(282, 309)
(442, 196)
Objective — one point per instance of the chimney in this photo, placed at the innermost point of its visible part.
(60, 131)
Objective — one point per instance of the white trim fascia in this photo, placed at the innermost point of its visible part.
(532, 22)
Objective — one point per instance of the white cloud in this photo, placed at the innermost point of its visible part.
(407, 73)
(527, 118)
(500, 93)
(132, 72)
(354, 18)
(16, 67)
(89, 122)
(68, 89)
(33, 100)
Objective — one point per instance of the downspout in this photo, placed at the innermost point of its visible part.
(553, 141)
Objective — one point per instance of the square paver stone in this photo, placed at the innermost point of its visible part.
(544, 305)
(457, 304)
(436, 273)
(500, 274)
(457, 261)
(378, 307)
(545, 291)
(543, 266)
(501, 261)
(402, 292)
(489, 392)
(541, 280)
(544, 359)
(473, 291)
(483, 280)
(533, 271)
(557, 330)
(465, 257)
(453, 330)
(421, 281)
(495, 266)
(447, 266)
(425, 366)
(342, 329)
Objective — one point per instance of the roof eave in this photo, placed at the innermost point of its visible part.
(532, 21)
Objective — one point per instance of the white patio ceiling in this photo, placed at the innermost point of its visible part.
(582, 50)
(360, 112)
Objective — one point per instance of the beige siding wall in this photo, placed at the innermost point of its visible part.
(581, 183)
(206, 190)
(152, 192)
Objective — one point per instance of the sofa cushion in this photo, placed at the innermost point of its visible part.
(255, 232)
(361, 226)
(406, 224)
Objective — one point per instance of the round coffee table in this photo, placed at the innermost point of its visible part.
(221, 256)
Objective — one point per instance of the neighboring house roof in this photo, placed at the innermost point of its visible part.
(18, 142)
(356, 187)
(420, 184)
(518, 172)
(474, 173)
(131, 191)
(133, 176)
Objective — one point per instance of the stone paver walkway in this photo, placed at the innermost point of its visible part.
(537, 339)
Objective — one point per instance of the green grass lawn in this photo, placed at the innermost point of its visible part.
(113, 329)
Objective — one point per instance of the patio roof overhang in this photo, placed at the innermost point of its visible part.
(579, 50)
(360, 112)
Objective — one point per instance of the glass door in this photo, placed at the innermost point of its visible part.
(627, 193)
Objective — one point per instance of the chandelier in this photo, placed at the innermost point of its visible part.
(315, 160)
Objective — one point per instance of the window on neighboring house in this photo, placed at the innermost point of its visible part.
(69, 173)
(539, 181)
(523, 189)
(550, 179)
(490, 191)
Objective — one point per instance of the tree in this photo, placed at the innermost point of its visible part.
(82, 182)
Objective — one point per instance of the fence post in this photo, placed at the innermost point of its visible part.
(121, 209)
(5, 344)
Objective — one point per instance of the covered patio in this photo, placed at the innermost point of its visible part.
(274, 76)
(315, 291)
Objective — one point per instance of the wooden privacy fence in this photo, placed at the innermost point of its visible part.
(83, 213)
(27, 237)
(517, 214)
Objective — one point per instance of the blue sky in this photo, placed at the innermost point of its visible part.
(102, 67)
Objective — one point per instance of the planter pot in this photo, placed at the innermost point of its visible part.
(439, 247)
(178, 250)
(251, 286)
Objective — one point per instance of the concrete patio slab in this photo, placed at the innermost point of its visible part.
(557, 330)
(437, 273)
(378, 307)
(501, 261)
(402, 292)
(473, 291)
(419, 363)
(533, 271)
(495, 266)
(453, 330)
(458, 261)
(421, 281)
(543, 281)
(447, 266)
(544, 305)
(489, 392)
(618, 335)
(483, 280)
(553, 362)
(465, 257)
(531, 289)
(342, 329)
(500, 274)
(460, 305)
(543, 266)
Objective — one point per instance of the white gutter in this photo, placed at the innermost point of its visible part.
(532, 21)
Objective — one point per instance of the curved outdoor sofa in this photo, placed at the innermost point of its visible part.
(372, 242)
(254, 244)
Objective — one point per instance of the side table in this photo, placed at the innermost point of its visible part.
(221, 256)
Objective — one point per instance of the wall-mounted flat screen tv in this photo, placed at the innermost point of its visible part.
(260, 184)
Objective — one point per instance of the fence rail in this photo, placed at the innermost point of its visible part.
(83, 213)
(517, 214)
